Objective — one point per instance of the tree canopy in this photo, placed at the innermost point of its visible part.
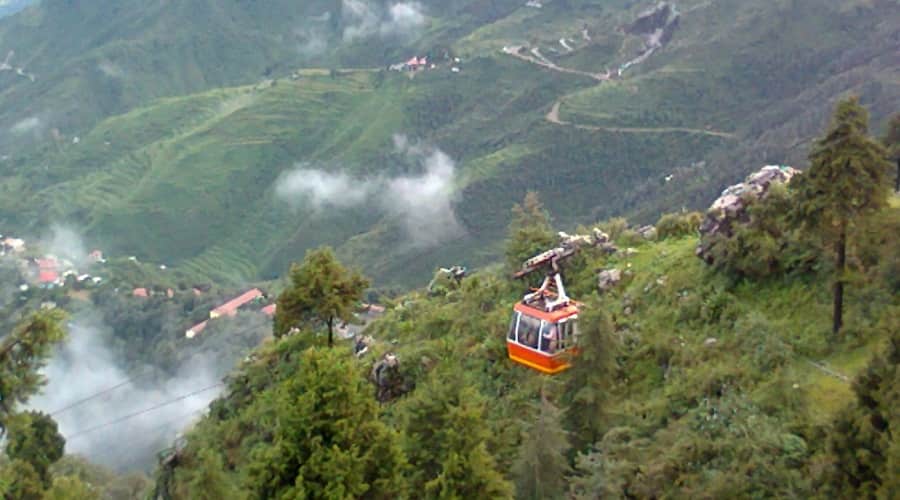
(321, 292)
(530, 231)
(326, 438)
(22, 354)
(846, 181)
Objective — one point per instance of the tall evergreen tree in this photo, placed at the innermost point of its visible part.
(530, 231)
(19, 481)
(326, 438)
(865, 439)
(207, 479)
(34, 438)
(322, 291)
(70, 488)
(847, 179)
(542, 467)
(588, 380)
(446, 441)
(892, 144)
(22, 354)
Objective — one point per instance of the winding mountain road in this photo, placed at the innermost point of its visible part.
(546, 63)
(553, 117)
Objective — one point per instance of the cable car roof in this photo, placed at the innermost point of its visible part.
(555, 316)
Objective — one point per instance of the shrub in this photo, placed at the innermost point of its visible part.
(677, 225)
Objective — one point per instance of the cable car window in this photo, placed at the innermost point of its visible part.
(512, 326)
(564, 335)
(550, 338)
(529, 329)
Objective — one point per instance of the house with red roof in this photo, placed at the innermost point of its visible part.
(230, 308)
(270, 309)
(194, 330)
(48, 271)
(140, 292)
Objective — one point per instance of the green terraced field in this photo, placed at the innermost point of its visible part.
(188, 180)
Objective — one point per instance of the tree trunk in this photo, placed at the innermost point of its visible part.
(330, 332)
(841, 249)
(897, 181)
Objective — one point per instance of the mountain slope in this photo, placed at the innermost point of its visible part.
(191, 180)
(713, 386)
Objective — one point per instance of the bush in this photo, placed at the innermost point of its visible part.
(677, 225)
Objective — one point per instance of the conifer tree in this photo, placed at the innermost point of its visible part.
(22, 354)
(326, 438)
(207, 479)
(865, 439)
(35, 439)
(70, 488)
(530, 231)
(892, 144)
(846, 180)
(446, 441)
(588, 380)
(321, 292)
(597, 476)
(541, 468)
(19, 481)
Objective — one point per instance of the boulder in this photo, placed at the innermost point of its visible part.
(596, 238)
(647, 232)
(730, 207)
(389, 382)
(608, 278)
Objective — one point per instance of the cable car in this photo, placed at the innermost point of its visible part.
(543, 329)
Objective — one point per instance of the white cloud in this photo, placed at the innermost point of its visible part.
(66, 243)
(30, 124)
(364, 19)
(84, 366)
(423, 203)
(111, 70)
(321, 189)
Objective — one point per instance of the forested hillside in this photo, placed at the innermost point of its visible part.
(218, 219)
(725, 380)
(730, 85)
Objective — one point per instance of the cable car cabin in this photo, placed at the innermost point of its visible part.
(542, 340)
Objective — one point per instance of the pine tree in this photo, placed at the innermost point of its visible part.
(891, 142)
(865, 439)
(542, 466)
(206, 479)
(70, 488)
(35, 439)
(322, 291)
(19, 481)
(588, 380)
(326, 438)
(598, 476)
(22, 354)
(530, 232)
(446, 441)
(846, 180)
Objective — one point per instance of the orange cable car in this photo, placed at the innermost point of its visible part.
(543, 329)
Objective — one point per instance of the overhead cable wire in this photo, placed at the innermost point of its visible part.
(101, 393)
(142, 412)
(125, 382)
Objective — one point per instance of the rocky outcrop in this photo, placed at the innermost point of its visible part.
(389, 382)
(651, 20)
(730, 207)
(607, 279)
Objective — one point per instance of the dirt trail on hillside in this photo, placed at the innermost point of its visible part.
(553, 117)
(542, 61)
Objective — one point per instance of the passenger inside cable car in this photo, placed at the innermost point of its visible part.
(542, 335)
